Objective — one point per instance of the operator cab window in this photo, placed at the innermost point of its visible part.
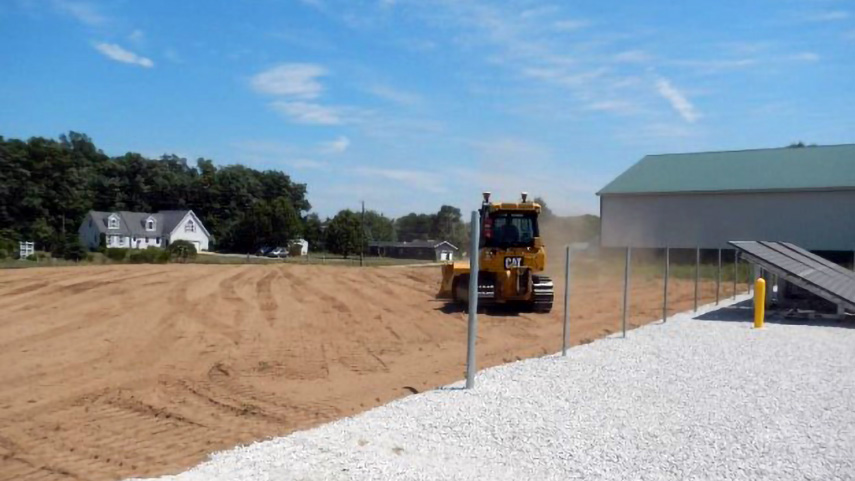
(515, 229)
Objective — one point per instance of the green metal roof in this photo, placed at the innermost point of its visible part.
(801, 168)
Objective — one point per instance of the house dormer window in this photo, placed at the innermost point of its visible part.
(150, 224)
(113, 222)
(190, 226)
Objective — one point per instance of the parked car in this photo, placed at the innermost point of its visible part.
(262, 251)
(279, 252)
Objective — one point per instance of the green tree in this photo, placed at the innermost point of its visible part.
(284, 222)
(254, 229)
(448, 226)
(414, 226)
(74, 250)
(313, 232)
(378, 227)
(343, 234)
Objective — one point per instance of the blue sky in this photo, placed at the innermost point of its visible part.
(411, 104)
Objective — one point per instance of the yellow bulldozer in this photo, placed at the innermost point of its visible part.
(511, 256)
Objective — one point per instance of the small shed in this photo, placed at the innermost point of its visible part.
(298, 247)
(427, 250)
(803, 195)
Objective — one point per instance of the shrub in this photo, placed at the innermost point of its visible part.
(96, 258)
(4, 254)
(7, 244)
(75, 251)
(116, 254)
(151, 255)
(163, 256)
(182, 250)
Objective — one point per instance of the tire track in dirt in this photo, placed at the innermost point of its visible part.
(132, 370)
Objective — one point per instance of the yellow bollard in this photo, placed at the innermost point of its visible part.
(759, 302)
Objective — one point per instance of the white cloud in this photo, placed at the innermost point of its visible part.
(172, 56)
(805, 57)
(829, 16)
(633, 56)
(622, 107)
(84, 12)
(540, 12)
(308, 113)
(306, 164)
(561, 76)
(137, 37)
(715, 66)
(569, 25)
(119, 54)
(336, 146)
(395, 95)
(298, 80)
(417, 179)
(677, 99)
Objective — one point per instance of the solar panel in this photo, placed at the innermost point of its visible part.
(798, 266)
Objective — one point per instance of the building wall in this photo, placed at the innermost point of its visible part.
(813, 220)
(444, 254)
(198, 237)
(299, 247)
(146, 242)
(88, 233)
(119, 241)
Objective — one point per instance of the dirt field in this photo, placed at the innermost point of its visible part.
(115, 371)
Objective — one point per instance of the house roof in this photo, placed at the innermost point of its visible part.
(802, 168)
(428, 244)
(133, 223)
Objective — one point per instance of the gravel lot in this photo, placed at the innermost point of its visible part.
(690, 399)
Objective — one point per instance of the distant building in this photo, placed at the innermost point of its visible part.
(139, 230)
(427, 250)
(299, 247)
(801, 195)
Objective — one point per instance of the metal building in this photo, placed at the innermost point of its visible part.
(803, 195)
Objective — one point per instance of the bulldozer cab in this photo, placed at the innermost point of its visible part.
(502, 229)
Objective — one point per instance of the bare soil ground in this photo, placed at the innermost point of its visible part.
(115, 371)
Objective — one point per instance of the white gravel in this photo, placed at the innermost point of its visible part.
(690, 399)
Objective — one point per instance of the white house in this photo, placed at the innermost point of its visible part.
(139, 230)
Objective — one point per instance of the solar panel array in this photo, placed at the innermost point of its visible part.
(809, 271)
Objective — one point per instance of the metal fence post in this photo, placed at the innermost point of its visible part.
(626, 289)
(718, 279)
(750, 278)
(735, 270)
(697, 274)
(566, 331)
(665, 293)
(473, 301)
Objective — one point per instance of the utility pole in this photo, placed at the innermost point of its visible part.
(362, 239)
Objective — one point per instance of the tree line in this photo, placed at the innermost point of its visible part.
(344, 234)
(48, 185)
